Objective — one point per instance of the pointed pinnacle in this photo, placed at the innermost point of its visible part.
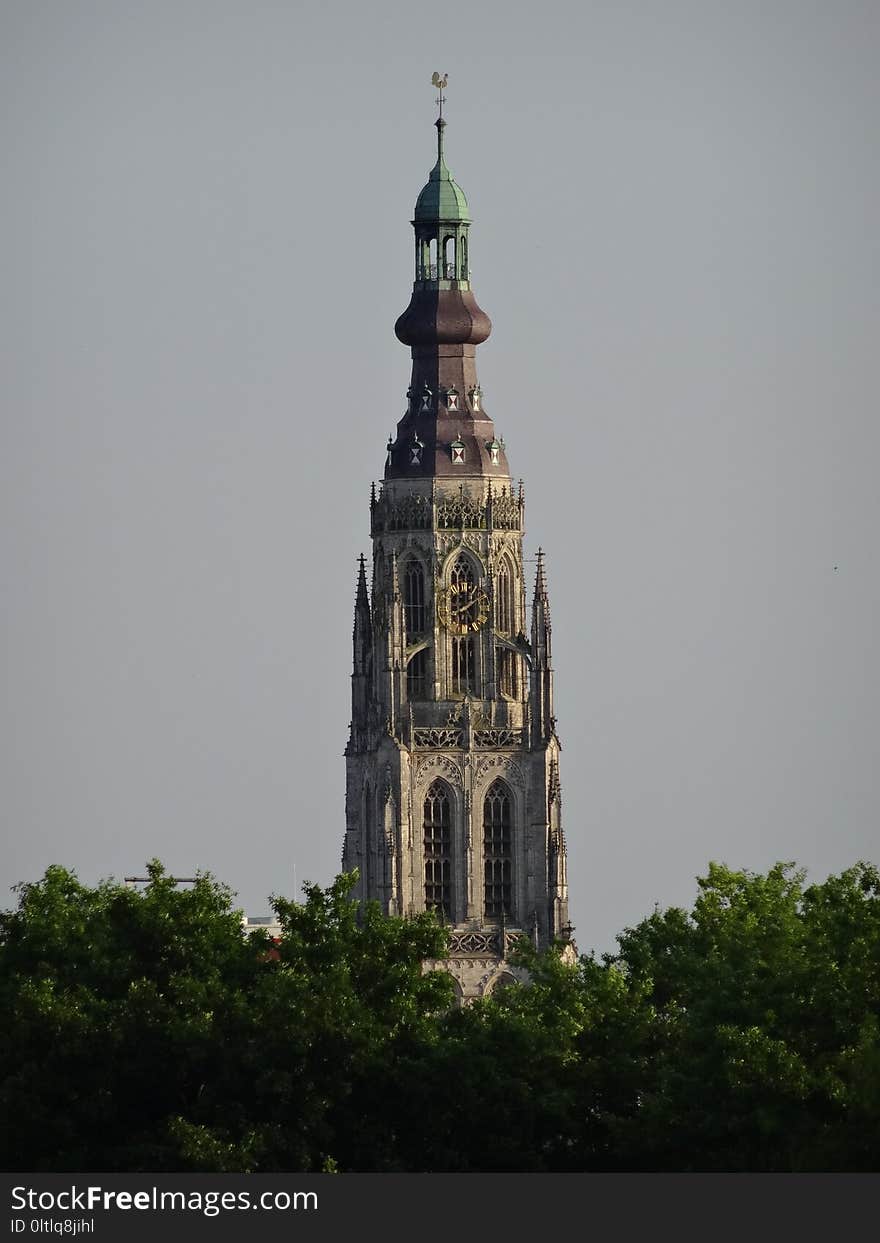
(540, 579)
(361, 597)
(541, 601)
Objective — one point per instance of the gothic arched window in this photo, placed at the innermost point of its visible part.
(497, 850)
(507, 672)
(437, 844)
(417, 675)
(462, 574)
(504, 615)
(414, 598)
(464, 666)
(464, 652)
(500, 983)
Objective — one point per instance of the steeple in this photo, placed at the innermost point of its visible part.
(443, 325)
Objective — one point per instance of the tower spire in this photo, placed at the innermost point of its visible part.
(445, 430)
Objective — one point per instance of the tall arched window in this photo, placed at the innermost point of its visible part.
(504, 599)
(368, 843)
(414, 614)
(438, 850)
(464, 652)
(464, 666)
(417, 675)
(506, 672)
(497, 851)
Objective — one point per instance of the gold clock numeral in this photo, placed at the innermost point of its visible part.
(463, 608)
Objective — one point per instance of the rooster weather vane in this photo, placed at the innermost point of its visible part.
(440, 84)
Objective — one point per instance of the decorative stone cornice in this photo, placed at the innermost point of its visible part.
(501, 511)
(445, 738)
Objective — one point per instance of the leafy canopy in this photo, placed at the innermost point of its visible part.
(145, 1031)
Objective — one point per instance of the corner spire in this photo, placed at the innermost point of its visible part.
(362, 639)
(543, 720)
(361, 598)
(541, 585)
(541, 616)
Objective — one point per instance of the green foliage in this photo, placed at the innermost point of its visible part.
(767, 991)
(144, 1031)
(740, 1036)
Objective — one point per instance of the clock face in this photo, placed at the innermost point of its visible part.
(463, 608)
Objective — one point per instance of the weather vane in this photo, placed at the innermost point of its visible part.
(440, 84)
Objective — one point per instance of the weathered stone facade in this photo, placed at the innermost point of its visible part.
(453, 798)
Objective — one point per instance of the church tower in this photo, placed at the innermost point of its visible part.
(452, 796)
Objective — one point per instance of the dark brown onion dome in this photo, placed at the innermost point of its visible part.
(443, 317)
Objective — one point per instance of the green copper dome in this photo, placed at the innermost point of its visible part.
(441, 198)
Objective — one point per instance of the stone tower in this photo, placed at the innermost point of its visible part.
(452, 796)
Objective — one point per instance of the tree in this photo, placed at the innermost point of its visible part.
(769, 997)
(144, 1031)
(742, 1035)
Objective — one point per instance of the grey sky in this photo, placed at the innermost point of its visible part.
(205, 242)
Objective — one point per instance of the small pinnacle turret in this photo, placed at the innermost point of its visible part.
(543, 720)
(362, 668)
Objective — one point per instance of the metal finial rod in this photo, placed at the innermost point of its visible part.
(440, 83)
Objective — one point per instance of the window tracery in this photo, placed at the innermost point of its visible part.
(462, 572)
(414, 611)
(437, 841)
(497, 850)
(504, 614)
(507, 672)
